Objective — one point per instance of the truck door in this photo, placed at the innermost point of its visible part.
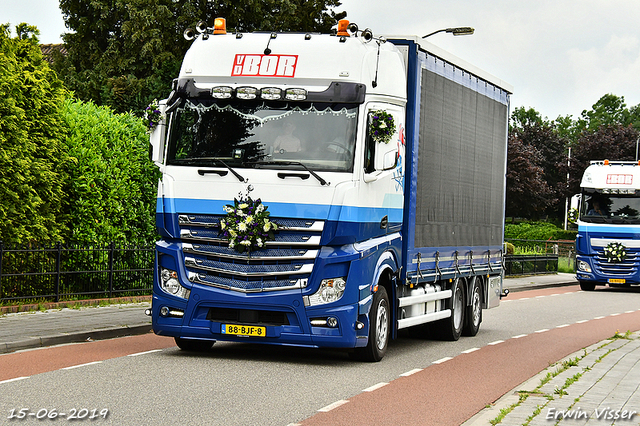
(383, 165)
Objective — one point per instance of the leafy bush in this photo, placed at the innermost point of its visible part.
(537, 231)
(32, 159)
(112, 183)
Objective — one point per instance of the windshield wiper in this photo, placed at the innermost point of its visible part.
(294, 163)
(197, 161)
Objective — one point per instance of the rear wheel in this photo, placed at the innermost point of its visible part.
(451, 328)
(473, 312)
(379, 329)
(193, 345)
(587, 285)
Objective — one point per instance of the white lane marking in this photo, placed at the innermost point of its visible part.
(374, 387)
(14, 380)
(598, 318)
(147, 352)
(468, 351)
(81, 365)
(496, 342)
(410, 372)
(614, 315)
(332, 406)
(629, 312)
(519, 336)
(441, 360)
(563, 326)
(541, 331)
(581, 321)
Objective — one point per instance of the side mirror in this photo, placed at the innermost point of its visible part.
(157, 137)
(390, 160)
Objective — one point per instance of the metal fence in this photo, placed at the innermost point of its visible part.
(65, 272)
(534, 264)
(540, 257)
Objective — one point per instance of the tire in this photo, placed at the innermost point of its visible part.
(191, 345)
(587, 286)
(451, 328)
(473, 312)
(379, 329)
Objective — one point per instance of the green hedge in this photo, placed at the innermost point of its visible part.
(537, 231)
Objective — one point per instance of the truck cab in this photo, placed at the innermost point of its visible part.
(608, 240)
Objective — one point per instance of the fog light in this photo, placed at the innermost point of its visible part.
(164, 311)
(332, 322)
(359, 325)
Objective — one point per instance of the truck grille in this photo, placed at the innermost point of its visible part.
(285, 263)
(622, 269)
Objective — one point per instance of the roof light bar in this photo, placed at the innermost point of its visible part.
(271, 93)
(222, 92)
(246, 93)
(295, 94)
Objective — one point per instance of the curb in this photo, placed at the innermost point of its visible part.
(83, 336)
(538, 286)
(512, 399)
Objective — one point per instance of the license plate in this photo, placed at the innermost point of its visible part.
(616, 280)
(244, 330)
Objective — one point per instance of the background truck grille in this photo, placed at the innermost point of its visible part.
(285, 263)
(622, 269)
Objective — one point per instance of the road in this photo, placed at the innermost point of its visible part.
(147, 380)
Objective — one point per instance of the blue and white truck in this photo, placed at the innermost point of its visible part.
(327, 191)
(608, 240)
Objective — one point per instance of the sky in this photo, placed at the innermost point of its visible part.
(560, 56)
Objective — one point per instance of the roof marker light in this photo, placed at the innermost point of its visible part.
(606, 162)
(220, 26)
(343, 24)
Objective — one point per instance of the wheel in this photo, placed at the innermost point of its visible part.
(473, 312)
(192, 345)
(587, 286)
(451, 328)
(379, 329)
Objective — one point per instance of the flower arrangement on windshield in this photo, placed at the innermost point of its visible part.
(382, 126)
(152, 115)
(247, 225)
(615, 252)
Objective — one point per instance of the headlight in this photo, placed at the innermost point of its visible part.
(331, 290)
(169, 283)
(583, 266)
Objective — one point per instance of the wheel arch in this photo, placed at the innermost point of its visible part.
(386, 276)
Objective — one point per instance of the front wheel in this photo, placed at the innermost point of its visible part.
(587, 286)
(379, 329)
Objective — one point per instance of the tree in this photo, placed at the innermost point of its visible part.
(32, 161)
(528, 194)
(124, 53)
(531, 135)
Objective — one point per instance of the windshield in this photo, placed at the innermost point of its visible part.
(610, 208)
(263, 134)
